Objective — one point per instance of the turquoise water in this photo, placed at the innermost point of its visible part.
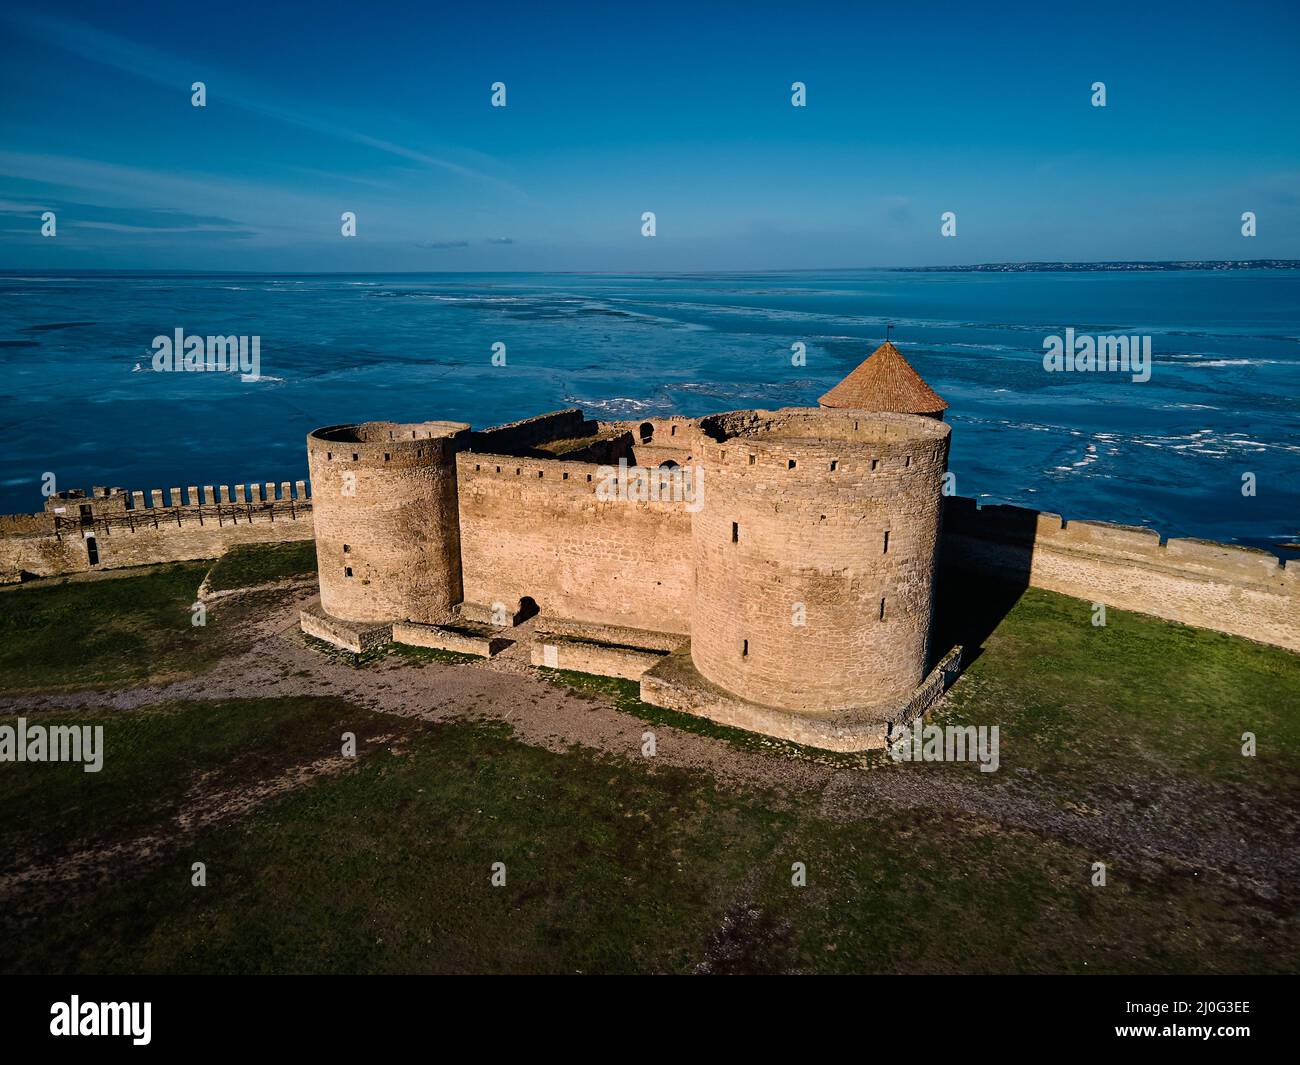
(80, 400)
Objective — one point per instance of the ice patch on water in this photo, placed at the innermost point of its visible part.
(617, 406)
(1216, 359)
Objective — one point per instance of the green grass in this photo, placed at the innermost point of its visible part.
(248, 565)
(135, 629)
(420, 655)
(1094, 708)
(152, 760)
(910, 892)
(109, 632)
(612, 865)
(387, 867)
(632, 865)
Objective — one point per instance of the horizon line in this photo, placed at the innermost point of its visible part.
(1061, 264)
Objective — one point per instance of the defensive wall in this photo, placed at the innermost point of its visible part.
(534, 529)
(1238, 590)
(111, 528)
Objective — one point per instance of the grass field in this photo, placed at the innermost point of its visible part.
(137, 627)
(609, 866)
(107, 632)
(1119, 744)
(248, 565)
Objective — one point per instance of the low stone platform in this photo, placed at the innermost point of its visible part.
(483, 644)
(675, 683)
(616, 635)
(606, 650)
(355, 636)
(588, 656)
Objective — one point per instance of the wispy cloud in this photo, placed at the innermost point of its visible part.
(174, 194)
(141, 61)
(79, 215)
(120, 227)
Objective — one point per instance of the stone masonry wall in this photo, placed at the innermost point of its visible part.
(535, 528)
(387, 538)
(815, 556)
(1230, 589)
(59, 542)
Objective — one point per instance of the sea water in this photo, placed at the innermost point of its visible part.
(80, 398)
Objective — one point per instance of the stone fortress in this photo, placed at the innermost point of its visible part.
(794, 595)
(773, 570)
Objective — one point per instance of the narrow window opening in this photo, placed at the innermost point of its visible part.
(354, 456)
(875, 463)
(744, 648)
(882, 610)
(92, 550)
(387, 456)
(751, 460)
(735, 532)
(346, 549)
(886, 548)
(791, 465)
(347, 571)
(834, 465)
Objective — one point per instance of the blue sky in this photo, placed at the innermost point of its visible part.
(613, 110)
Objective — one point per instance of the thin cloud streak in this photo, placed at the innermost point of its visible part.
(121, 54)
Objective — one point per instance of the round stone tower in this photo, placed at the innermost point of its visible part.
(815, 553)
(386, 519)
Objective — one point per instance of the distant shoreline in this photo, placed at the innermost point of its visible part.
(1118, 267)
(1131, 266)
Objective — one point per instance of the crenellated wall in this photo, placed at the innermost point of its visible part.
(534, 527)
(1237, 590)
(137, 528)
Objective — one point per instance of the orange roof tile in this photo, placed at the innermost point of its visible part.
(885, 381)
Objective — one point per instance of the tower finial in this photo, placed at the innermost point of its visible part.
(888, 330)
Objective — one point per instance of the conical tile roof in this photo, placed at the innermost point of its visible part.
(885, 381)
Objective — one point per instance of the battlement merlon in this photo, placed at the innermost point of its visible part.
(114, 505)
